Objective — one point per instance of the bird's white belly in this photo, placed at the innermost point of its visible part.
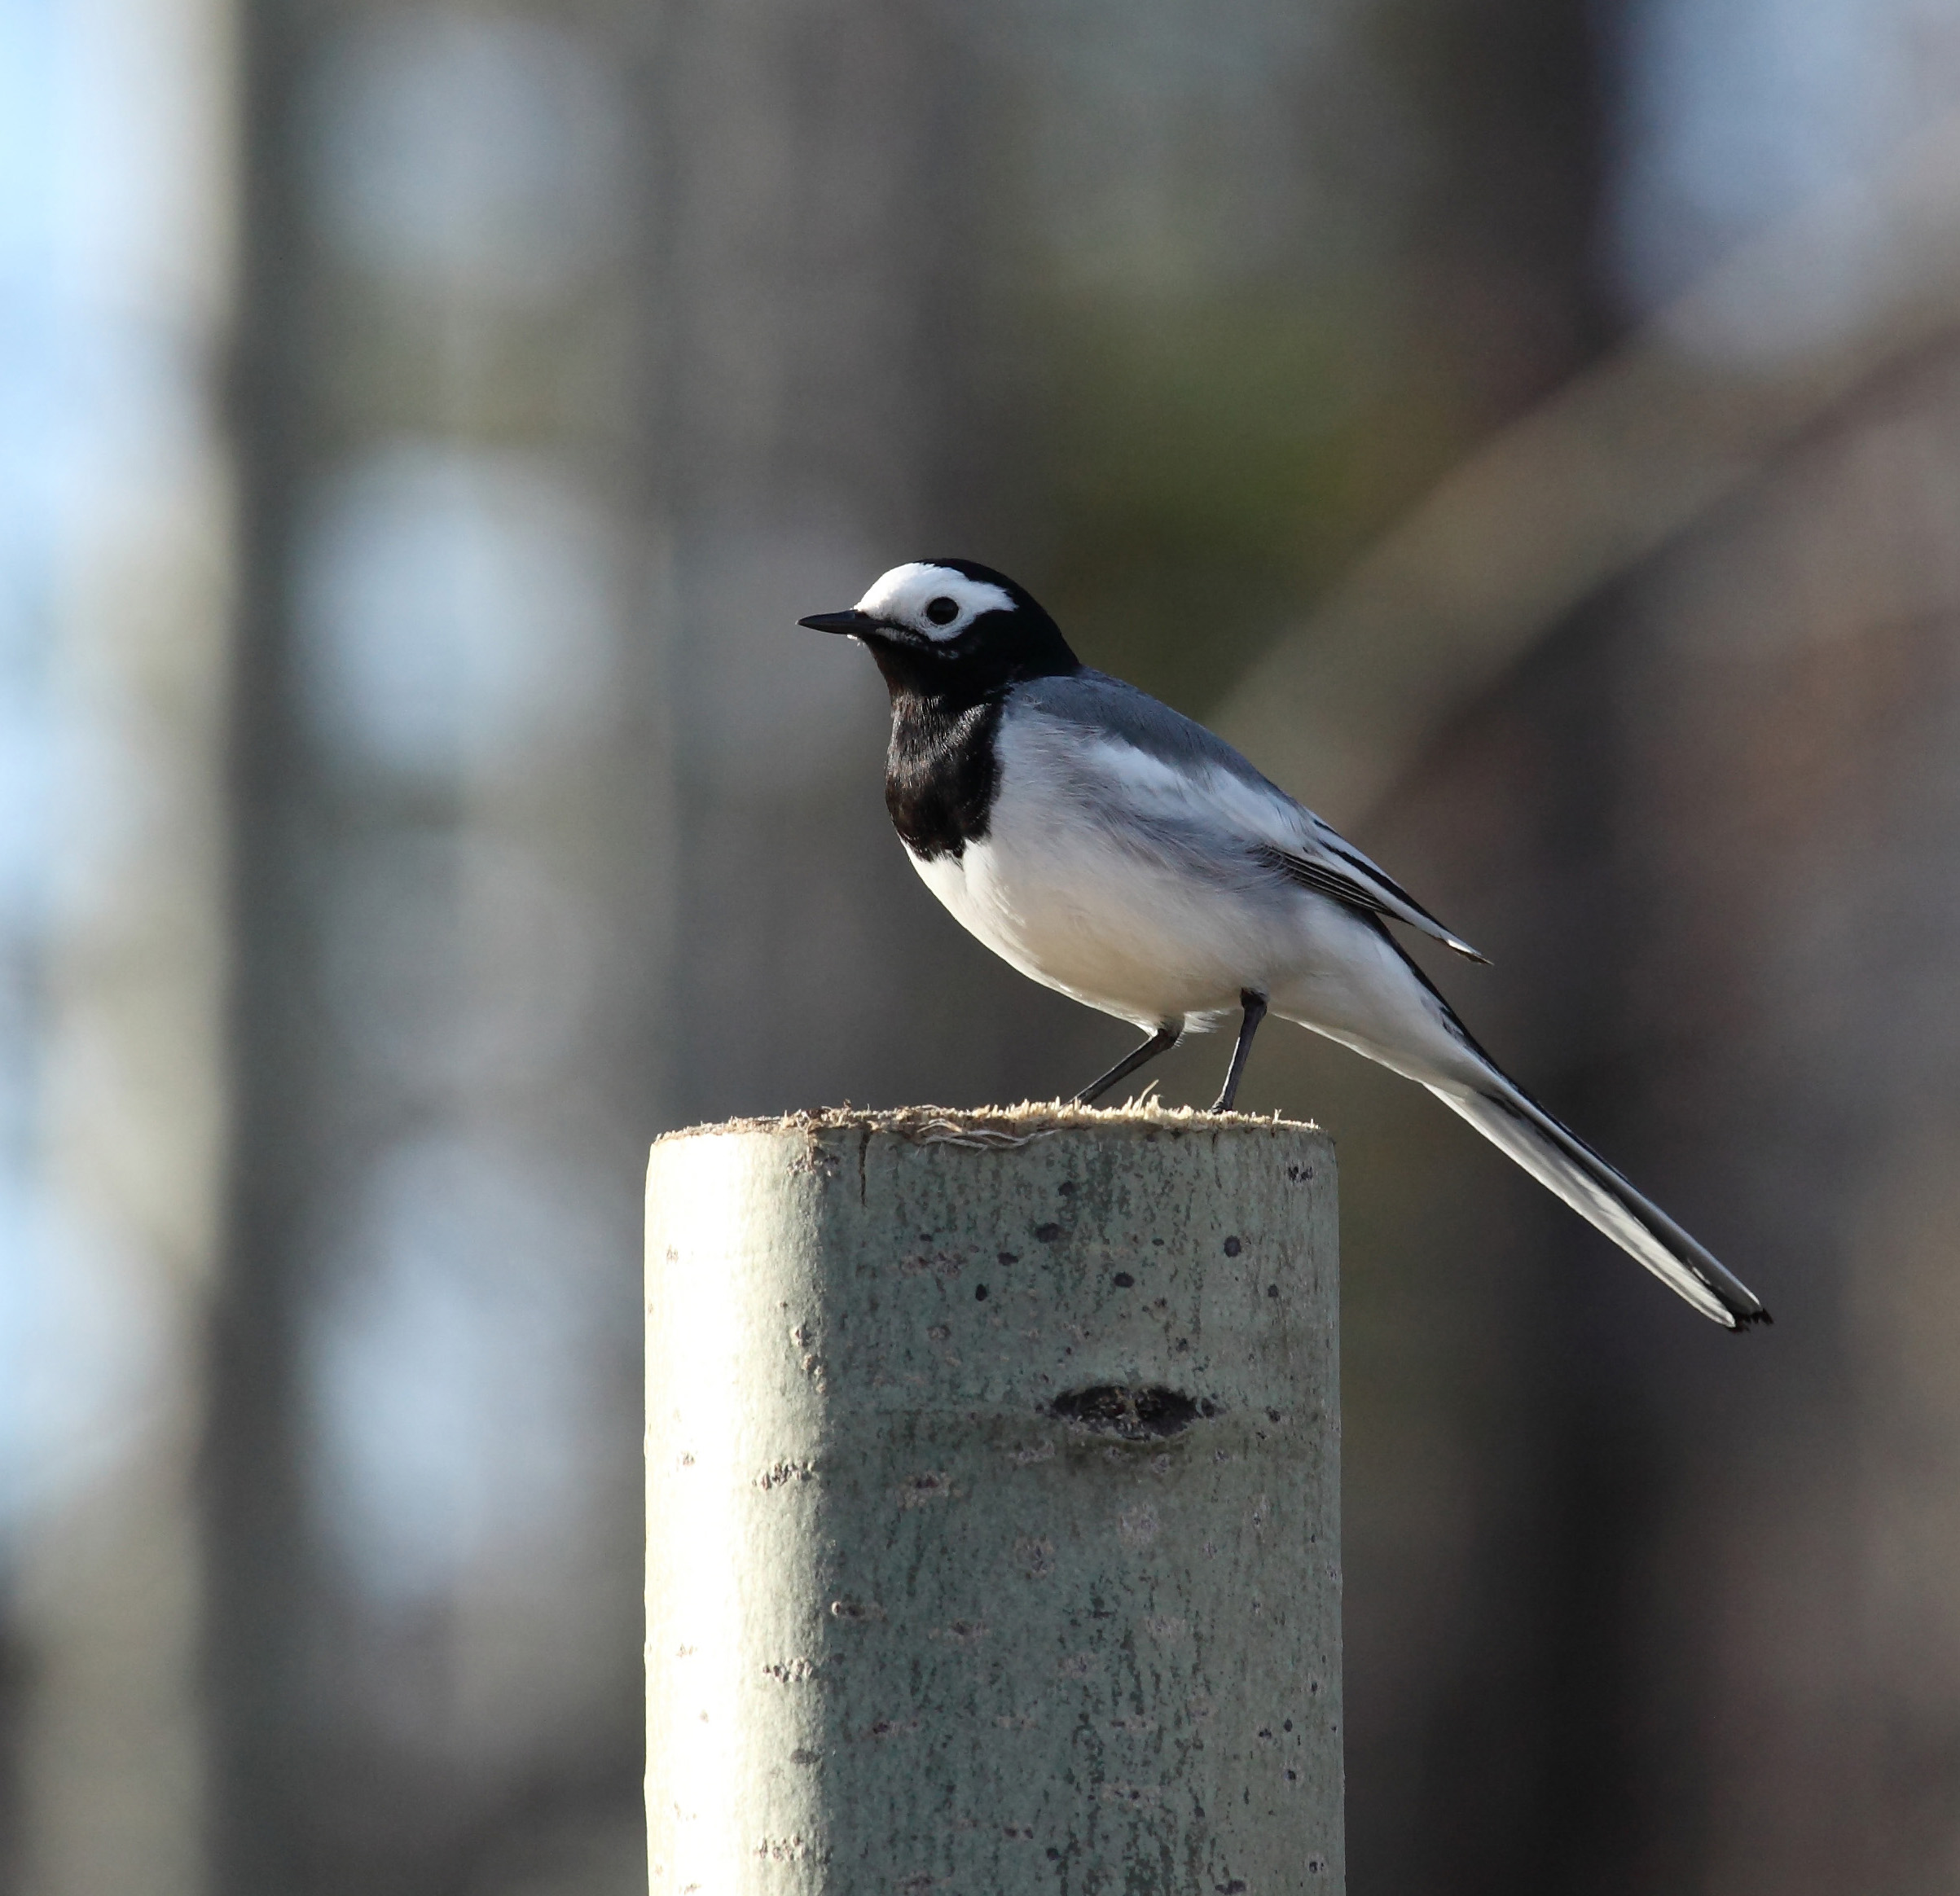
(1068, 907)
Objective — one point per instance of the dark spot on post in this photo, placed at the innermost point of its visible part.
(1066, 1188)
(1047, 1234)
(1292, 1776)
(915, 1490)
(1287, 1727)
(979, 1293)
(1272, 1290)
(1271, 1414)
(1054, 1854)
(1006, 1257)
(1236, 1887)
(1122, 1281)
(1144, 1415)
(1233, 1246)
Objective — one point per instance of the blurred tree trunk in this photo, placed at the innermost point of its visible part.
(1491, 1499)
(769, 402)
(452, 943)
(1788, 827)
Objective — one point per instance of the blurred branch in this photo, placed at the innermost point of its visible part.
(1590, 483)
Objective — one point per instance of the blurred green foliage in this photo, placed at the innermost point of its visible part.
(1211, 465)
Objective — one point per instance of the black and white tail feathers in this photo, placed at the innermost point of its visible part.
(1563, 1162)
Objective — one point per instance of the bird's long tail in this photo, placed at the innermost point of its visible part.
(1559, 1159)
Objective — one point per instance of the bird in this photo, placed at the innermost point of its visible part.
(1119, 852)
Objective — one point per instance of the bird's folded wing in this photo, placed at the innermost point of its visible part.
(1139, 759)
(1325, 861)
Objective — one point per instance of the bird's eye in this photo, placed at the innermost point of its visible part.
(943, 610)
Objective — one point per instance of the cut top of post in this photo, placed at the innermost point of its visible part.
(948, 1258)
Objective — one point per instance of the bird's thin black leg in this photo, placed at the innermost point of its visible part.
(1255, 1011)
(1166, 1038)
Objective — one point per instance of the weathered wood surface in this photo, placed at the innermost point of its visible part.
(993, 1494)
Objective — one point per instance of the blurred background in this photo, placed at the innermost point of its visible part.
(1530, 426)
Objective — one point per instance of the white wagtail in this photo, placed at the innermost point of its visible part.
(1112, 849)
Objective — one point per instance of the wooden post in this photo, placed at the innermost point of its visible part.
(993, 1500)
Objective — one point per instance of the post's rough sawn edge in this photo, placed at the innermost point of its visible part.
(997, 1128)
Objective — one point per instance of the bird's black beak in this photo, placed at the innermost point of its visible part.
(853, 621)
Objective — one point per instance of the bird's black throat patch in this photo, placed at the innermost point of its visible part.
(942, 772)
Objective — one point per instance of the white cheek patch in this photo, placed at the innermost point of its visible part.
(902, 595)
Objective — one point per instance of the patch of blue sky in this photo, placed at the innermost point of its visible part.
(1736, 112)
(451, 1359)
(30, 348)
(82, 387)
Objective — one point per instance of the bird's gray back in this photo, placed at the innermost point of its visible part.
(1101, 706)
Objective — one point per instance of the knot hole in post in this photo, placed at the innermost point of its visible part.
(1145, 1414)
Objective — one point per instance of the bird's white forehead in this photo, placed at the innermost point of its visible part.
(904, 593)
